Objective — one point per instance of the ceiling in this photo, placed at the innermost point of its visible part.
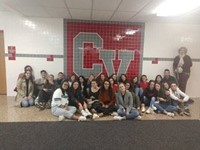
(103, 10)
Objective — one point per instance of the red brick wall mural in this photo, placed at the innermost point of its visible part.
(103, 47)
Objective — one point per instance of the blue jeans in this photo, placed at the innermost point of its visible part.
(132, 114)
(27, 103)
(165, 107)
(149, 102)
(181, 106)
(57, 111)
(138, 91)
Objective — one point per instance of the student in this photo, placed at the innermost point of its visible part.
(123, 78)
(92, 99)
(143, 82)
(164, 101)
(148, 97)
(78, 100)
(168, 77)
(83, 85)
(181, 100)
(60, 104)
(25, 88)
(39, 83)
(101, 79)
(158, 79)
(45, 95)
(106, 99)
(72, 78)
(136, 99)
(114, 76)
(114, 85)
(136, 86)
(182, 64)
(124, 100)
(59, 79)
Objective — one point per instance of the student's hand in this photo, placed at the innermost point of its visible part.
(66, 107)
(106, 106)
(26, 98)
(180, 100)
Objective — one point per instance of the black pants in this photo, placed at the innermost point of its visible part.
(44, 97)
(105, 111)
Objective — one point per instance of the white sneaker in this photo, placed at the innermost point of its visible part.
(84, 113)
(114, 114)
(88, 112)
(61, 118)
(118, 118)
(143, 109)
(154, 108)
(95, 116)
(170, 114)
(138, 118)
(82, 118)
(148, 111)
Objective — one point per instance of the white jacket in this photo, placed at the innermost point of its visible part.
(59, 99)
(176, 95)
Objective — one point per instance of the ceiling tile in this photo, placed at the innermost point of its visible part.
(58, 12)
(79, 4)
(101, 15)
(80, 14)
(122, 16)
(133, 5)
(52, 3)
(106, 4)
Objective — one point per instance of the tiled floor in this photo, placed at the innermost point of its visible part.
(10, 113)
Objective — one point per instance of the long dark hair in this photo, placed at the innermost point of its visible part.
(110, 90)
(63, 90)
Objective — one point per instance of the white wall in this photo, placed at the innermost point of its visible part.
(45, 38)
(163, 40)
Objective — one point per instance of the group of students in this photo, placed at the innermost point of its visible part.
(79, 98)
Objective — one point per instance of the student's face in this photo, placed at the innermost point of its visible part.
(166, 73)
(122, 88)
(102, 76)
(152, 85)
(144, 78)
(135, 79)
(72, 78)
(65, 85)
(75, 85)
(91, 77)
(81, 79)
(43, 74)
(157, 87)
(60, 76)
(182, 51)
(128, 86)
(51, 78)
(173, 87)
(166, 85)
(28, 74)
(123, 77)
(94, 84)
(114, 77)
(111, 81)
(158, 79)
(106, 85)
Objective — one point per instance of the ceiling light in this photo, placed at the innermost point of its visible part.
(176, 7)
(131, 32)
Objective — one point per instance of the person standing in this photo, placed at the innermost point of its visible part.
(181, 65)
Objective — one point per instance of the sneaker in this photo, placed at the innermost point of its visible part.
(143, 109)
(170, 114)
(118, 118)
(148, 111)
(181, 113)
(61, 118)
(88, 112)
(93, 110)
(114, 114)
(187, 113)
(82, 118)
(95, 116)
(138, 118)
(84, 113)
(154, 108)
